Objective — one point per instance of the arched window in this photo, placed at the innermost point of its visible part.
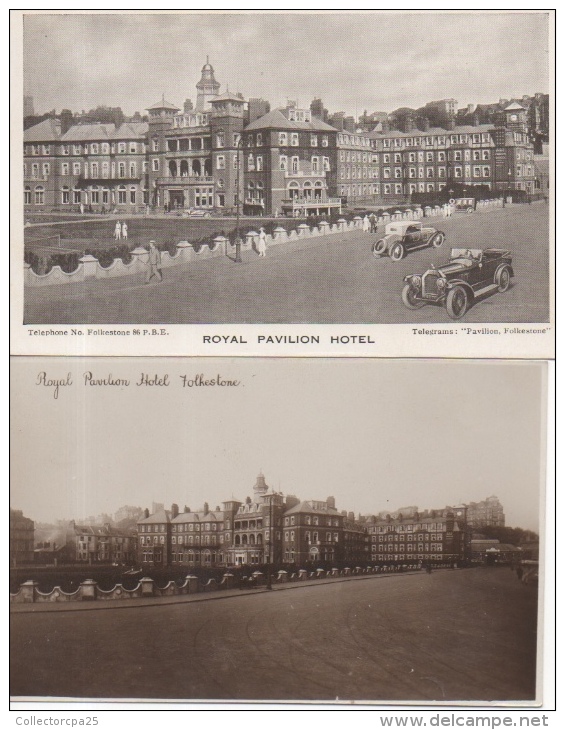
(293, 190)
(172, 168)
(39, 195)
(27, 195)
(184, 168)
(237, 540)
(122, 195)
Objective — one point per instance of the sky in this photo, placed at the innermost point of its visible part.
(353, 61)
(376, 435)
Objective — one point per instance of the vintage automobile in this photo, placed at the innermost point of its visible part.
(463, 205)
(403, 236)
(469, 274)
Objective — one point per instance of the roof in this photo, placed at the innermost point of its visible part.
(163, 105)
(49, 130)
(159, 517)
(402, 224)
(88, 132)
(185, 517)
(514, 105)
(131, 130)
(276, 119)
(463, 129)
(313, 508)
(227, 96)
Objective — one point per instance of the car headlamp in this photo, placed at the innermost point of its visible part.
(441, 283)
(416, 281)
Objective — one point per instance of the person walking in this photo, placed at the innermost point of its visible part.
(154, 263)
(125, 231)
(262, 243)
(117, 231)
(373, 222)
(366, 224)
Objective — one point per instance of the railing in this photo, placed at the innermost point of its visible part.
(36, 178)
(301, 202)
(184, 179)
(303, 173)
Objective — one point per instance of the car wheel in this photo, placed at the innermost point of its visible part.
(502, 278)
(457, 302)
(437, 239)
(469, 210)
(379, 248)
(397, 252)
(409, 300)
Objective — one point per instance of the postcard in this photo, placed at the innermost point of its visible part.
(379, 184)
(280, 530)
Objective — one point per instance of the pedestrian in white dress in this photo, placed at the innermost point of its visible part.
(366, 224)
(117, 231)
(262, 243)
(125, 231)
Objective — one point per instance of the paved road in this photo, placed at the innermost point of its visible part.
(452, 635)
(333, 279)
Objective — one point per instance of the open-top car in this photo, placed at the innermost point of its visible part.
(469, 274)
(403, 236)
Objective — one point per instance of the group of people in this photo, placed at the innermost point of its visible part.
(369, 223)
(120, 231)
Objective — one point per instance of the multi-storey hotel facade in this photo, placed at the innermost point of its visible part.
(287, 161)
(269, 527)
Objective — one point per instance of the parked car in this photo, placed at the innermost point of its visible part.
(469, 274)
(464, 205)
(403, 236)
(199, 213)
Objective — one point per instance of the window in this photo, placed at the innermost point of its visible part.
(457, 155)
(27, 195)
(326, 163)
(429, 156)
(397, 157)
(155, 144)
(325, 140)
(76, 168)
(458, 172)
(398, 189)
(155, 164)
(64, 168)
(295, 164)
(46, 168)
(486, 154)
(46, 149)
(132, 196)
(121, 195)
(105, 148)
(121, 169)
(121, 148)
(94, 169)
(441, 156)
(429, 171)
(397, 172)
(387, 189)
(259, 162)
(76, 196)
(283, 139)
(486, 171)
(39, 195)
(259, 139)
(133, 169)
(294, 139)
(76, 149)
(386, 172)
(220, 162)
(283, 160)
(66, 149)
(476, 171)
(250, 162)
(94, 148)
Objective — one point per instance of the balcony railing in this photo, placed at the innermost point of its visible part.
(303, 173)
(185, 180)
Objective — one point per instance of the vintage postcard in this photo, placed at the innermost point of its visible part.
(281, 530)
(378, 184)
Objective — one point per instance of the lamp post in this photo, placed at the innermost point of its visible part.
(238, 240)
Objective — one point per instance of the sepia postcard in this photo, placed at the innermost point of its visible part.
(280, 530)
(375, 184)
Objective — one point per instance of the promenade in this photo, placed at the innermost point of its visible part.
(322, 280)
(455, 635)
